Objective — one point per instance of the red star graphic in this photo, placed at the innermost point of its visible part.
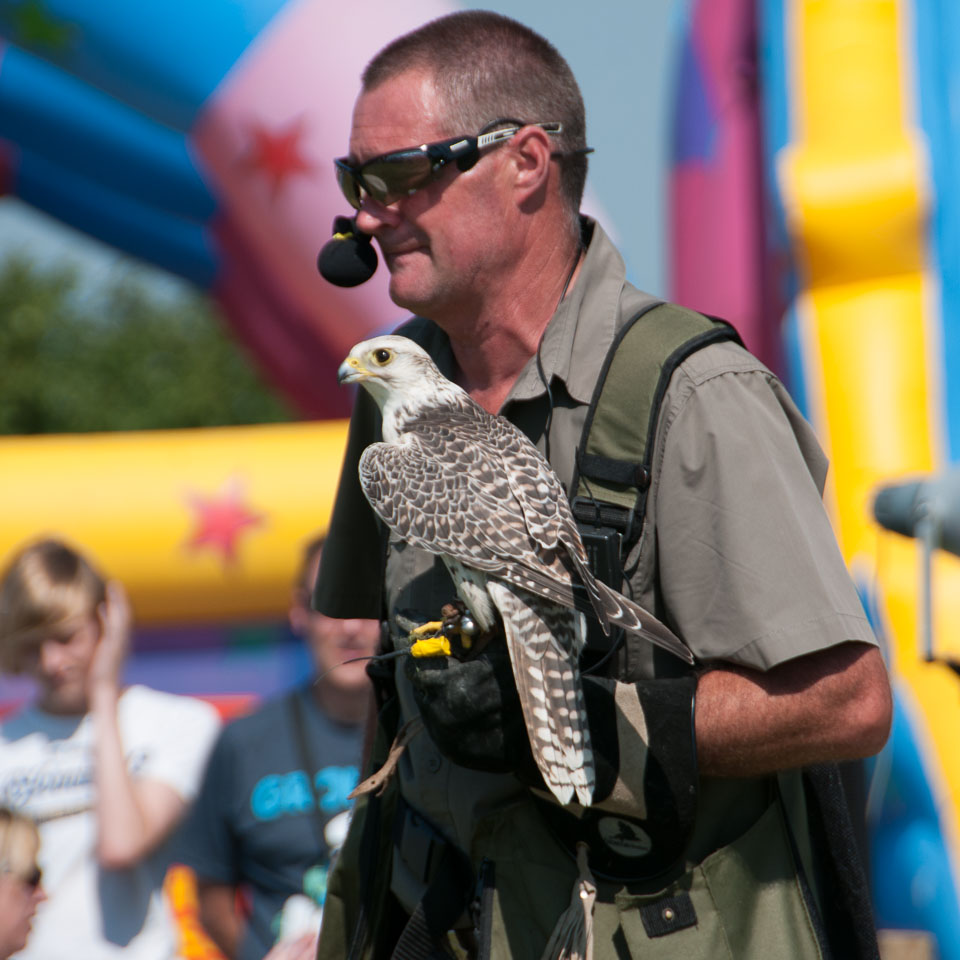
(220, 520)
(277, 153)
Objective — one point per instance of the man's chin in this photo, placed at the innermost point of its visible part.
(410, 288)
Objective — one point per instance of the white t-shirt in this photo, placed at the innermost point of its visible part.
(46, 771)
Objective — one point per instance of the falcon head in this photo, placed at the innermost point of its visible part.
(394, 368)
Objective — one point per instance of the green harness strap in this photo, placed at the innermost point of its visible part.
(612, 473)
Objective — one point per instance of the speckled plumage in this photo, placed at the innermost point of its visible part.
(456, 481)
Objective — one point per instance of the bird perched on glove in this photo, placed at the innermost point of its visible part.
(454, 480)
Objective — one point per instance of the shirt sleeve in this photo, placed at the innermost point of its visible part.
(749, 568)
(178, 733)
(206, 841)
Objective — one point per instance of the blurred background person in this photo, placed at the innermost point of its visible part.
(20, 887)
(106, 771)
(273, 807)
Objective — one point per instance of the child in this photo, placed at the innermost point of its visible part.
(107, 772)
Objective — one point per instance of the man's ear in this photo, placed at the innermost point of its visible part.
(532, 150)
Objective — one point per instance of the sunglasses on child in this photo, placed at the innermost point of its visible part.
(397, 174)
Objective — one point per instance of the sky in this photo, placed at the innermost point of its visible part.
(623, 53)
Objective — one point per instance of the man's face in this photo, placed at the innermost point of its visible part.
(332, 641)
(60, 663)
(443, 244)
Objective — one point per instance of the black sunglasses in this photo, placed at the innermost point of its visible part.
(397, 174)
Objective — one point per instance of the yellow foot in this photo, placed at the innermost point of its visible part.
(433, 628)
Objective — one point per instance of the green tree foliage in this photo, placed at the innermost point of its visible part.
(71, 362)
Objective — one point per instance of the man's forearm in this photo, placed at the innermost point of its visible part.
(824, 707)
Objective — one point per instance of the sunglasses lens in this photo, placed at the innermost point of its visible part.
(347, 181)
(396, 175)
(35, 878)
(386, 178)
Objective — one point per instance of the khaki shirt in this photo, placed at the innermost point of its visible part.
(737, 552)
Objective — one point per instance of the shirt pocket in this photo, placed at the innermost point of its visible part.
(679, 921)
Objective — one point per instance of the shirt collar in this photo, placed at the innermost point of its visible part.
(571, 351)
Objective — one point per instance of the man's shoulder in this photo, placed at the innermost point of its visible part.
(677, 338)
(265, 720)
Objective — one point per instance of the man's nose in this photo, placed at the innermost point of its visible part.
(373, 216)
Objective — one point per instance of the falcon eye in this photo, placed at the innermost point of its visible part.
(382, 356)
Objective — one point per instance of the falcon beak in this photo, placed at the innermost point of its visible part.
(351, 370)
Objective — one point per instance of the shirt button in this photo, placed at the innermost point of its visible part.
(434, 762)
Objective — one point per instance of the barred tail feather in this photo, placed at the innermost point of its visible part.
(541, 638)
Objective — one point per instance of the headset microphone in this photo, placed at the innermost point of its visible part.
(348, 258)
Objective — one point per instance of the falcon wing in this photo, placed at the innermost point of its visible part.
(444, 488)
(464, 484)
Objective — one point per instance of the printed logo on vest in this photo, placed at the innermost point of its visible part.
(624, 838)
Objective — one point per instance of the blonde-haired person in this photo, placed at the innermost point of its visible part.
(20, 889)
(106, 771)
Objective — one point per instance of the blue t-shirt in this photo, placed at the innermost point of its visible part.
(255, 824)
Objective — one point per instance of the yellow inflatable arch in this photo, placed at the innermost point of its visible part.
(200, 525)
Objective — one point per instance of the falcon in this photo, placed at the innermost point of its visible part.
(454, 480)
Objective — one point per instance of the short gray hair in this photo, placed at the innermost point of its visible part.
(485, 67)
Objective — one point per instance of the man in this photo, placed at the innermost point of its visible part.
(273, 805)
(518, 300)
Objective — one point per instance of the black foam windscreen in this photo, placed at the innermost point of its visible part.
(347, 259)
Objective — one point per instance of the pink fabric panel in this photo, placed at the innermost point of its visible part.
(717, 241)
(269, 134)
